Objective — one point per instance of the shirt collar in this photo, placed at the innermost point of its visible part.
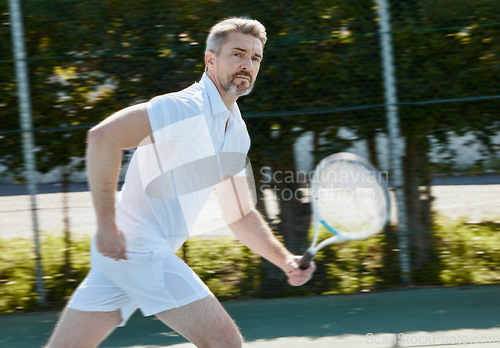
(217, 106)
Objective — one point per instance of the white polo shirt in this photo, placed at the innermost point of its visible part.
(171, 176)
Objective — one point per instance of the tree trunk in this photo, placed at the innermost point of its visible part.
(295, 220)
(371, 142)
(294, 216)
(270, 274)
(418, 177)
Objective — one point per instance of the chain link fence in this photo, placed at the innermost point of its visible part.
(320, 90)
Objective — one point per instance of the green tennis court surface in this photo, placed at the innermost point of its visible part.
(435, 317)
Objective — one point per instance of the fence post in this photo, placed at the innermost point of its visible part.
(396, 145)
(24, 103)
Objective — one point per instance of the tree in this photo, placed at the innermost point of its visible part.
(442, 53)
(320, 76)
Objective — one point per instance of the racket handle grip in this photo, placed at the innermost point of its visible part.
(306, 259)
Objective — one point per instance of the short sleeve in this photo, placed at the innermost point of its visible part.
(172, 116)
(159, 118)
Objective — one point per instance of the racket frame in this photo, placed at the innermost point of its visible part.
(318, 221)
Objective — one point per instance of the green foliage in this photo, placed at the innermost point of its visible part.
(60, 285)
(227, 267)
(16, 276)
(17, 269)
(446, 50)
(321, 74)
(468, 254)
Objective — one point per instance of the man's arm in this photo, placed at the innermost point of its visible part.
(105, 142)
(252, 230)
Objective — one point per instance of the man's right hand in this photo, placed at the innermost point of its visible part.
(126, 129)
(111, 242)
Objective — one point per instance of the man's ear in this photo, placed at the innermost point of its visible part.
(209, 59)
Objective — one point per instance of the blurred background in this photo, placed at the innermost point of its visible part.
(323, 87)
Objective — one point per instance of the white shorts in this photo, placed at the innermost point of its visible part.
(152, 282)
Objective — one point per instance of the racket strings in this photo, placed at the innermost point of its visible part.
(349, 198)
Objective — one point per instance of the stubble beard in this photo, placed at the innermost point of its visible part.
(240, 89)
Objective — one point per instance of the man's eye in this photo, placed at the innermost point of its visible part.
(236, 54)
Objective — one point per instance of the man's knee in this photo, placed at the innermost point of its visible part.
(205, 323)
(228, 336)
(234, 338)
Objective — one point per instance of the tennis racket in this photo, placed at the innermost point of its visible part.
(349, 198)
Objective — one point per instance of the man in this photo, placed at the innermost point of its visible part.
(183, 143)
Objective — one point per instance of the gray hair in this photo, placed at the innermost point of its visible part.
(218, 33)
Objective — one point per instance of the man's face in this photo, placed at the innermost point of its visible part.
(237, 65)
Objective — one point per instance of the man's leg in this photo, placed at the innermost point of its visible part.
(204, 323)
(78, 329)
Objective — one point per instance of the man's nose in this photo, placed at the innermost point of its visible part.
(247, 64)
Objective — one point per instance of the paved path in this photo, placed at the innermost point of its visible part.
(16, 220)
(458, 198)
(424, 317)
